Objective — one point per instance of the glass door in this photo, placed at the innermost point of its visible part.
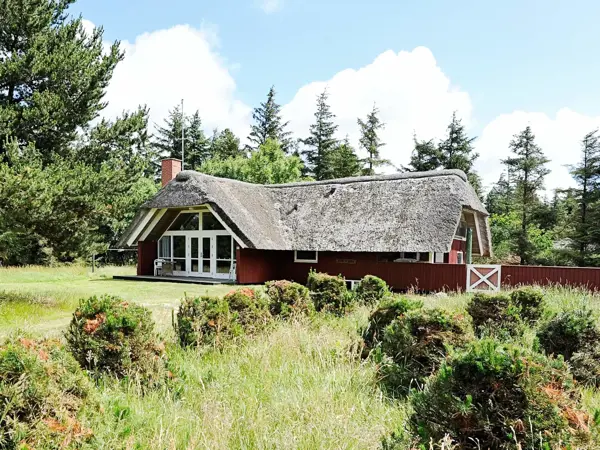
(193, 256)
(206, 256)
(179, 255)
(224, 256)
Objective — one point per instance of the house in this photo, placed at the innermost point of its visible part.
(221, 229)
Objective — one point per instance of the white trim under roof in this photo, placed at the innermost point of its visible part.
(141, 227)
(152, 225)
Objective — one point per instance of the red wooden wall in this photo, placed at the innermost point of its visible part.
(573, 276)
(258, 266)
(147, 253)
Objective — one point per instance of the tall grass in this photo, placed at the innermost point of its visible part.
(302, 385)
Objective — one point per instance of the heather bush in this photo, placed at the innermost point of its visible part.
(585, 365)
(495, 315)
(388, 310)
(328, 292)
(501, 396)
(214, 320)
(569, 332)
(416, 343)
(287, 298)
(108, 334)
(531, 303)
(371, 290)
(42, 392)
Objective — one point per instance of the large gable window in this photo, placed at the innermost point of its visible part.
(186, 222)
(211, 223)
(305, 256)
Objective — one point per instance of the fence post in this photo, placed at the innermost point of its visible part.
(93, 262)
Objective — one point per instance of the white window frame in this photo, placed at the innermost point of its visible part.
(460, 258)
(312, 261)
(438, 258)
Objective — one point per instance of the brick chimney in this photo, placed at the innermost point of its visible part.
(170, 168)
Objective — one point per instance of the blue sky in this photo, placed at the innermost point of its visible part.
(517, 61)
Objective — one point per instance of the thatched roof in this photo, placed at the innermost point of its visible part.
(385, 213)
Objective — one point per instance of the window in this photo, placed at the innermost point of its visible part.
(461, 231)
(304, 256)
(459, 258)
(424, 257)
(210, 222)
(186, 222)
(439, 258)
(164, 247)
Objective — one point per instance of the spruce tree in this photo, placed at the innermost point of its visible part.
(168, 138)
(225, 144)
(344, 161)
(52, 75)
(587, 175)
(501, 197)
(321, 142)
(268, 124)
(425, 156)
(371, 142)
(527, 170)
(456, 151)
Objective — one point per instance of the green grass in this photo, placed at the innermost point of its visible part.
(62, 288)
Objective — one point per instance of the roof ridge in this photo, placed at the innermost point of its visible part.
(186, 174)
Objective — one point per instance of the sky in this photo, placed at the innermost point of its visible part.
(500, 65)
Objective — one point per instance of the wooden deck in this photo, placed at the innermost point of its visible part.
(173, 279)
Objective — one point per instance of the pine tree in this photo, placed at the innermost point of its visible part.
(225, 144)
(501, 197)
(456, 151)
(587, 176)
(371, 142)
(321, 142)
(52, 75)
(269, 124)
(344, 161)
(527, 169)
(425, 156)
(168, 138)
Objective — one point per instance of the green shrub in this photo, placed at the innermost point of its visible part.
(215, 320)
(42, 390)
(108, 334)
(569, 332)
(329, 293)
(371, 290)
(495, 315)
(415, 344)
(500, 396)
(585, 366)
(287, 298)
(388, 310)
(531, 303)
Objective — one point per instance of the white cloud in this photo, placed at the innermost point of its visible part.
(162, 67)
(559, 137)
(271, 6)
(410, 90)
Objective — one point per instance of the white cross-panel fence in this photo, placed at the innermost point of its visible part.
(484, 278)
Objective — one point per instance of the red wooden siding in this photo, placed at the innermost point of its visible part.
(258, 266)
(147, 253)
(458, 245)
(572, 276)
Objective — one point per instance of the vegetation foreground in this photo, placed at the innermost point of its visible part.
(259, 368)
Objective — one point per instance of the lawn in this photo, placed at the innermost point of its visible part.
(57, 291)
(301, 384)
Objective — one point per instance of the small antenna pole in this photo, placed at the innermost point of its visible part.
(182, 136)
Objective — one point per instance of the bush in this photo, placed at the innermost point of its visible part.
(329, 293)
(108, 334)
(415, 344)
(495, 315)
(387, 311)
(215, 320)
(530, 302)
(500, 396)
(288, 298)
(371, 290)
(42, 390)
(585, 366)
(569, 332)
